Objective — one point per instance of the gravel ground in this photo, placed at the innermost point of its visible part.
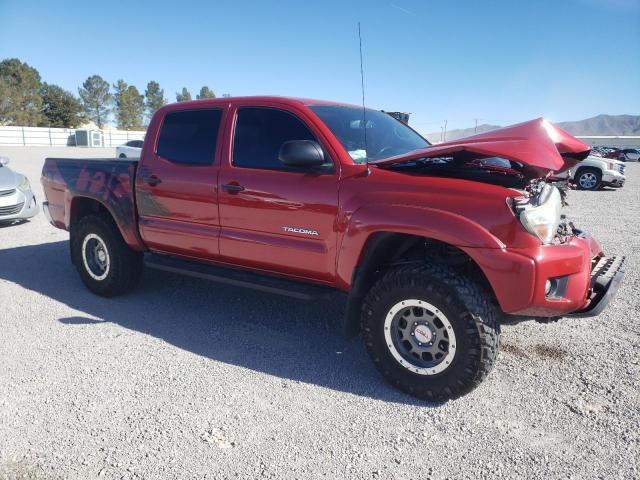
(189, 379)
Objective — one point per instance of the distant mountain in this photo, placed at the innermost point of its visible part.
(604, 125)
(598, 125)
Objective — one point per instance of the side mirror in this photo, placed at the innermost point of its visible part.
(301, 153)
(4, 161)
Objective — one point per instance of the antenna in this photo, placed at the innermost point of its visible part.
(364, 110)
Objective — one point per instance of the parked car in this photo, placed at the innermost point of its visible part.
(594, 172)
(131, 149)
(600, 151)
(624, 154)
(433, 248)
(17, 201)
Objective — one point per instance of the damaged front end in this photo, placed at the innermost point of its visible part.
(539, 211)
(522, 157)
(562, 271)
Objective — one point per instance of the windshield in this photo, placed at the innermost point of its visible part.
(385, 136)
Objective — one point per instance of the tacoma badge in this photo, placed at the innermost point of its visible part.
(304, 231)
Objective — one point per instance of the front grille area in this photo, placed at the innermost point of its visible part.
(621, 168)
(11, 209)
(6, 193)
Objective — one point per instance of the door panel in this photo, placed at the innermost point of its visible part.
(281, 221)
(177, 196)
(254, 220)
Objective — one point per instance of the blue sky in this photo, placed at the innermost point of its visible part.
(499, 61)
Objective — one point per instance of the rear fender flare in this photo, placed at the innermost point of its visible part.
(121, 208)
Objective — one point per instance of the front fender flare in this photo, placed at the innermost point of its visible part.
(444, 226)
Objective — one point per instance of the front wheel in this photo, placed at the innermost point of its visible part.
(106, 265)
(430, 331)
(589, 179)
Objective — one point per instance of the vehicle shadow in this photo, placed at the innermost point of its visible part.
(12, 223)
(284, 337)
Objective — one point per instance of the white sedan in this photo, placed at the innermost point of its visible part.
(17, 201)
(131, 149)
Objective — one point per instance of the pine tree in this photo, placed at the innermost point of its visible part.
(134, 104)
(20, 99)
(154, 97)
(59, 107)
(205, 92)
(120, 87)
(129, 105)
(96, 99)
(183, 96)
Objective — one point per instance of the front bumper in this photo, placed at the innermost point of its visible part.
(613, 178)
(18, 205)
(519, 278)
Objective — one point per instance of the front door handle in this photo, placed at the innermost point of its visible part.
(233, 187)
(152, 180)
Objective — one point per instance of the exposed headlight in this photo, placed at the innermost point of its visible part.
(541, 216)
(24, 185)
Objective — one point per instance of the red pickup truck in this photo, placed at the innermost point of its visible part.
(435, 246)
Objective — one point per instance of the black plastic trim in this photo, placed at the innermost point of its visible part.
(240, 278)
(605, 285)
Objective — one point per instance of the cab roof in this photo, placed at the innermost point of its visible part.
(294, 101)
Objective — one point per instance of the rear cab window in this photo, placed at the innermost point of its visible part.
(190, 137)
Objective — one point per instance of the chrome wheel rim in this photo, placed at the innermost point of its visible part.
(95, 257)
(588, 180)
(420, 337)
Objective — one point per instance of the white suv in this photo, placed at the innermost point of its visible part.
(595, 172)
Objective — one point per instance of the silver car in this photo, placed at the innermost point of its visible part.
(17, 201)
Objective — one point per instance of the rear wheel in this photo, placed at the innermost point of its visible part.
(589, 179)
(122, 155)
(430, 331)
(106, 265)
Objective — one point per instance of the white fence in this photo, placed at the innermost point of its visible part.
(32, 136)
(618, 141)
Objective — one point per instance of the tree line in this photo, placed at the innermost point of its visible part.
(25, 100)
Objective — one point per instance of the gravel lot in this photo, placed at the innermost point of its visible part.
(189, 379)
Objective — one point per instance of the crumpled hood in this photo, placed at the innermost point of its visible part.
(537, 144)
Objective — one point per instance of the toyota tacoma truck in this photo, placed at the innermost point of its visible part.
(434, 246)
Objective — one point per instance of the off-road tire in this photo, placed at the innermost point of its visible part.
(583, 171)
(125, 269)
(468, 308)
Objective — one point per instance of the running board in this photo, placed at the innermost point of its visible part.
(239, 278)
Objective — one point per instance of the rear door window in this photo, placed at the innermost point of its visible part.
(189, 136)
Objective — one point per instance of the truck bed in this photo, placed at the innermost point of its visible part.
(71, 182)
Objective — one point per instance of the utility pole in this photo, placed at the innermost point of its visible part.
(441, 133)
(445, 131)
(475, 130)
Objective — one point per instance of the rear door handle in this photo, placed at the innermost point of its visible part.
(152, 180)
(233, 187)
